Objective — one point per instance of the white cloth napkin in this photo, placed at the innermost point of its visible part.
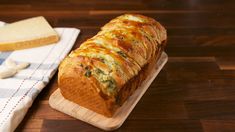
(18, 92)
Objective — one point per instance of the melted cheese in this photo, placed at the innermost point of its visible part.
(119, 50)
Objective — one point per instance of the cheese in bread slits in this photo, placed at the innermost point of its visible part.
(107, 68)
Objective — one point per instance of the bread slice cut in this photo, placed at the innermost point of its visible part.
(27, 33)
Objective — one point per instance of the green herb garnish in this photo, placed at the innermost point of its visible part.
(98, 71)
(88, 73)
(111, 84)
(122, 54)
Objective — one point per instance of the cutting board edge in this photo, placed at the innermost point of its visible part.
(114, 126)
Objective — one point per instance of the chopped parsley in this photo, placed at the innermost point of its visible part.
(111, 84)
(122, 54)
(88, 71)
(98, 71)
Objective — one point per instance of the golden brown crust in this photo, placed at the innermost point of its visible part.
(106, 69)
(85, 91)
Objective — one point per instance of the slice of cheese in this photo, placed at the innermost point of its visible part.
(27, 33)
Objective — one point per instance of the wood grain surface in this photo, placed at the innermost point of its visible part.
(195, 91)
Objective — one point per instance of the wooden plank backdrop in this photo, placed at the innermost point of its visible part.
(195, 91)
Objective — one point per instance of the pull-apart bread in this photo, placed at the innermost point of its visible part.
(107, 68)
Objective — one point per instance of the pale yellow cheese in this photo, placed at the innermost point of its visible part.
(27, 33)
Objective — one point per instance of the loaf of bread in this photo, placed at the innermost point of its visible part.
(107, 68)
(28, 33)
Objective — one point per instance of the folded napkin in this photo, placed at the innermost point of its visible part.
(18, 92)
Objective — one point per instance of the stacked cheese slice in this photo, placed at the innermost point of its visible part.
(27, 33)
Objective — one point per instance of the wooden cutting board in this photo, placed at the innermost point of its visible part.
(58, 102)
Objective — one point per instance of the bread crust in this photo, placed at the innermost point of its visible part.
(79, 83)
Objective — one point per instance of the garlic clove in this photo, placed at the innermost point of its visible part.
(22, 66)
(7, 72)
(10, 63)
